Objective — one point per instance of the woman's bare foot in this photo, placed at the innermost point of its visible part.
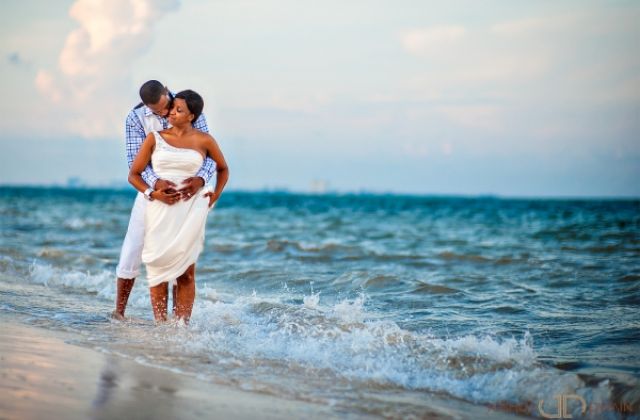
(118, 316)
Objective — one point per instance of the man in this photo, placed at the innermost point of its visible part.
(148, 116)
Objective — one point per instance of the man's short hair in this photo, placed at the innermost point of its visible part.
(151, 91)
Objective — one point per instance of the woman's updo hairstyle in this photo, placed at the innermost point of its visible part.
(194, 101)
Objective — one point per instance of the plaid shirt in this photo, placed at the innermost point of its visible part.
(135, 136)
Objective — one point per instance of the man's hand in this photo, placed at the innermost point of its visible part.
(163, 184)
(168, 195)
(213, 197)
(191, 185)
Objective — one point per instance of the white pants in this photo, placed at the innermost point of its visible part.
(131, 252)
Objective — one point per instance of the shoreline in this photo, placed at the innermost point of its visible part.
(43, 374)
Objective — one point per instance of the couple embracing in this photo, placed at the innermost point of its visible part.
(171, 157)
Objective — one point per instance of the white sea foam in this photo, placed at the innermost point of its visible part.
(238, 331)
(53, 276)
(102, 283)
(350, 311)
(311, 302)
(208, 293)
(78, 223)
(343, 340)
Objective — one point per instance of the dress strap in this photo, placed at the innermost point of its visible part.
(159, 138)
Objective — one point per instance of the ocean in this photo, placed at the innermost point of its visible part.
(367, 303)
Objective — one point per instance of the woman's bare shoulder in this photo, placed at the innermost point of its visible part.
(204, 137)
(150, 138)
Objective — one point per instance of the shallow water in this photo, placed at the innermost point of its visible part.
(357, 300)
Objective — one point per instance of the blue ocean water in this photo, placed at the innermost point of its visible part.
(351, 299)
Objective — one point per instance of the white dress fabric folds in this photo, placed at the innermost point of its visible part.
(174, 234)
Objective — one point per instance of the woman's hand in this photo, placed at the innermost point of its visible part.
(168, 195)
(213, 197)
(163, 184)
(191, 186)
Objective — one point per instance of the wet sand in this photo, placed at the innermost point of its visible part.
(44, 375)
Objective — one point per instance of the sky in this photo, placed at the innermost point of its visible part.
(510, 98)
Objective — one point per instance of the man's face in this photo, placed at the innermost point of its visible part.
(162, 107)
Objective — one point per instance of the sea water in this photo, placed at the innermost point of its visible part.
(364, 302)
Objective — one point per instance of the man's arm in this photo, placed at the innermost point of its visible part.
(134, 138)
(208, 166)
(221, 167)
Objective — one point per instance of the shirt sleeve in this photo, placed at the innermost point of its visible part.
(209, 165)
(134, 138)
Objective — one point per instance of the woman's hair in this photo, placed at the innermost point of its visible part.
(195, 103)
(151, 91)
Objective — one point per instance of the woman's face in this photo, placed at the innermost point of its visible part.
(180, 114)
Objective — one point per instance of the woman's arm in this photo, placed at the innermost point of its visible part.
(222, 170)
(167, 196)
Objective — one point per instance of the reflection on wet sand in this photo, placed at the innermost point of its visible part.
(122, 391)
(43, 376)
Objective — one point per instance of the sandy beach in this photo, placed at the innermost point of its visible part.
(44, 375)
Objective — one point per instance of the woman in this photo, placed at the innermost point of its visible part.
(174, 228)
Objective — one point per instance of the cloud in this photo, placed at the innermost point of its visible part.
(94, 66)
(15, 59)
(415, 150)
(556, 77)
(578, 24)
(527, 26)
(425, 40)
(510, 67)
(447, 149)
(304, 103)
(481, 117)
(46, 84)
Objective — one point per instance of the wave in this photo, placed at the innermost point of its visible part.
(341, 339)
(346, 341)
(473, 258)
(78, 223)
(279, 245)
(427, 288)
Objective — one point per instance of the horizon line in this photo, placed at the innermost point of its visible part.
(335, 192)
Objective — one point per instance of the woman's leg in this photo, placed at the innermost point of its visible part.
(159, 297)
(186, 293)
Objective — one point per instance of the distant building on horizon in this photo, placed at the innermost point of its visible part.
(319, 186)
(75, 182)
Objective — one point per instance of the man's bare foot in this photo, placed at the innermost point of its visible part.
(118, 316)
(159, 322)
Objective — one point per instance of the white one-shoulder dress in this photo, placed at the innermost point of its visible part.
(174, 234)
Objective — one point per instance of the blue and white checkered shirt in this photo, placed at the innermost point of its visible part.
(135, 136)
